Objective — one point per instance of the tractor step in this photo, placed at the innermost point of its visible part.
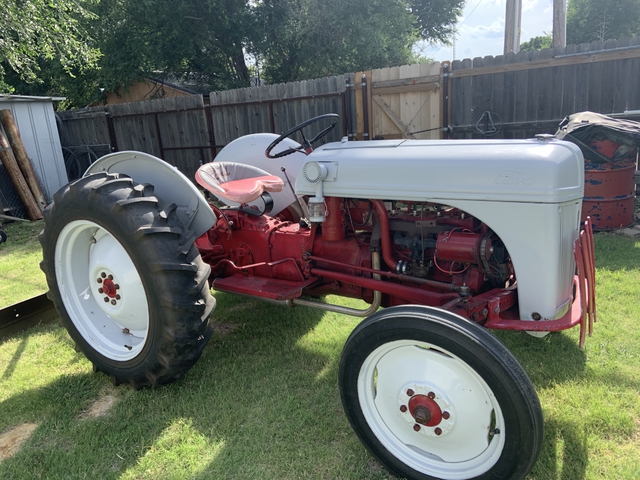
(261, 287)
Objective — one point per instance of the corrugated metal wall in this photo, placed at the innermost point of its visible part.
(37, 124)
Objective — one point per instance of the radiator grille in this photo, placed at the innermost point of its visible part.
(569, 229)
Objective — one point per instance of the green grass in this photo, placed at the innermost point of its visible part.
(20, 274)
(263, 401)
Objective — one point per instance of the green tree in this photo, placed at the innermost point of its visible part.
(37, 32)
(314, 38)
(201, 39)
(207, 41)
(591, 20)
(436, 19)
(537, 43)
(298, 39)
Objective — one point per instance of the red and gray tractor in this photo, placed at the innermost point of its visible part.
(442, 239)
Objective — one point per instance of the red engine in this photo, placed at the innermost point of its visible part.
(431, 254)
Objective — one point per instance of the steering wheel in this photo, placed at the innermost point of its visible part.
(306, 144)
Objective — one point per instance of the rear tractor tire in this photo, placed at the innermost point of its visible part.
(127, 280)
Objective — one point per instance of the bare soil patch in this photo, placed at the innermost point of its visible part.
(100, 407)
(12, 440)
(224, 328)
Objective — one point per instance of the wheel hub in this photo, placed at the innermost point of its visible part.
(107, 288)
(426, 411)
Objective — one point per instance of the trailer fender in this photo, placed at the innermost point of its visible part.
(168, 182)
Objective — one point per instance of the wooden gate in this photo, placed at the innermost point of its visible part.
(401, 102)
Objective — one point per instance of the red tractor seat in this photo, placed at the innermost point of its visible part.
(237, 182)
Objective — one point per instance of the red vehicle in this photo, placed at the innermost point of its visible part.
(450, 237)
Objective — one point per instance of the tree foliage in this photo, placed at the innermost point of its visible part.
(299, 39)
(436, 19)
(537, 43)
(218, 44)
(314, 38)
(591, 20)
(34, 32)
(143, 38)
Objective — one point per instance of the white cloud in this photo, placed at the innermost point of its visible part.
(495, 29)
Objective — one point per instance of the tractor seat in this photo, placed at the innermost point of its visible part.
(237, 182)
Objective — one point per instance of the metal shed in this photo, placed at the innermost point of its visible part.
(37, 124)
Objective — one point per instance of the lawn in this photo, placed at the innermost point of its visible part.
(263, 401)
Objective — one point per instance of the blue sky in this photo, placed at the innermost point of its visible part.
(481, 28)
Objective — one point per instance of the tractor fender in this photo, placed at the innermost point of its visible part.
(169, 184)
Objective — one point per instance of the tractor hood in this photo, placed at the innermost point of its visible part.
(541, 170)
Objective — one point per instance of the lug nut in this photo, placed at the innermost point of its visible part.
(431, 395)
(113, 302)
(116, 286)
(403, 408)
(106, 299)
(416, 427)
(117, 297)
(100, 290)
(103, 275)
(99, 280)
(446, 415)
(438, 431)
(110, 277)
(410, 393)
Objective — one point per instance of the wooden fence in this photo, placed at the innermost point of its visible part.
(531, 92)
(187, 133)
(276, 108)
(512, 96)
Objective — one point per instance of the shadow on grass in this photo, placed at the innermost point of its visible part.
(262, 402)
(11, 366)
(548, 361)
(554, 360)
(261, 406)
(564, 453)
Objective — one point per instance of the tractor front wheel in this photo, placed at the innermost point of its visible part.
(432, 395)
(126, 279)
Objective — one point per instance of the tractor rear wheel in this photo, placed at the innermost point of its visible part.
(126, 279)
(432, 395)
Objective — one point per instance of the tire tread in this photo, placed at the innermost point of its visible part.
(168, 255)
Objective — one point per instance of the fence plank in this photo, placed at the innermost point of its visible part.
(540, 88)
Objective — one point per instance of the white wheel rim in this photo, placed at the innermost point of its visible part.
(466, 445)
(88, 258)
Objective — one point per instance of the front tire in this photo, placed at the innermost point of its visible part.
(431, 395)
(126, 279)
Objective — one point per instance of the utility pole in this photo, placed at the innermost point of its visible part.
(512, 24)
(559, 23)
